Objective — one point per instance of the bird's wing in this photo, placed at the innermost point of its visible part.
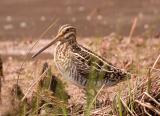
(86, 62)
(93, 60)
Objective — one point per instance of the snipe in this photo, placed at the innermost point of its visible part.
(78, 64)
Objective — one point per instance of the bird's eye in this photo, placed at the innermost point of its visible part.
(67, 30)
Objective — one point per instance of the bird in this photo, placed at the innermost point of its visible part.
(80, 65)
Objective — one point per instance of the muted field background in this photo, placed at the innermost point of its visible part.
(103, 26)
(29, 18)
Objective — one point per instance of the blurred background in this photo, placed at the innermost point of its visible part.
(21, 19)
(103, 26)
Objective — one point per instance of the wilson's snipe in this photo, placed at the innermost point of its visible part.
(76, 62)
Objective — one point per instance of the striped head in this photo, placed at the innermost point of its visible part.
(66, 33)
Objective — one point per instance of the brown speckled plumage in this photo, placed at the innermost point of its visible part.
(76, 62)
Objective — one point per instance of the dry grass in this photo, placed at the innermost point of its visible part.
(138, 96)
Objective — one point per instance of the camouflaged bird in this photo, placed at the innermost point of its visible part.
(78, 64)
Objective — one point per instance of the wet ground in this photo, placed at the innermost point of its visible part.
(21, 19)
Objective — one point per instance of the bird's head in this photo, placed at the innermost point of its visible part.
(66, 33)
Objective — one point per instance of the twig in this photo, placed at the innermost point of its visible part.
(97, 93)
(132, 29)
(100, 109)
(155, 63)
(34, 83)
(149, 106)
(155, 69)
(144, 108)
(149, 74)
(128, 108)
(38, 108)
(152, 98)
(30, 49)
(146, 111)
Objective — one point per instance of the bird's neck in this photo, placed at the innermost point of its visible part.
(65, 46)
(69, 43)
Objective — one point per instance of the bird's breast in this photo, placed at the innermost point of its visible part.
(62, 58)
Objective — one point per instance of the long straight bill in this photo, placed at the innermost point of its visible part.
(47, 46)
